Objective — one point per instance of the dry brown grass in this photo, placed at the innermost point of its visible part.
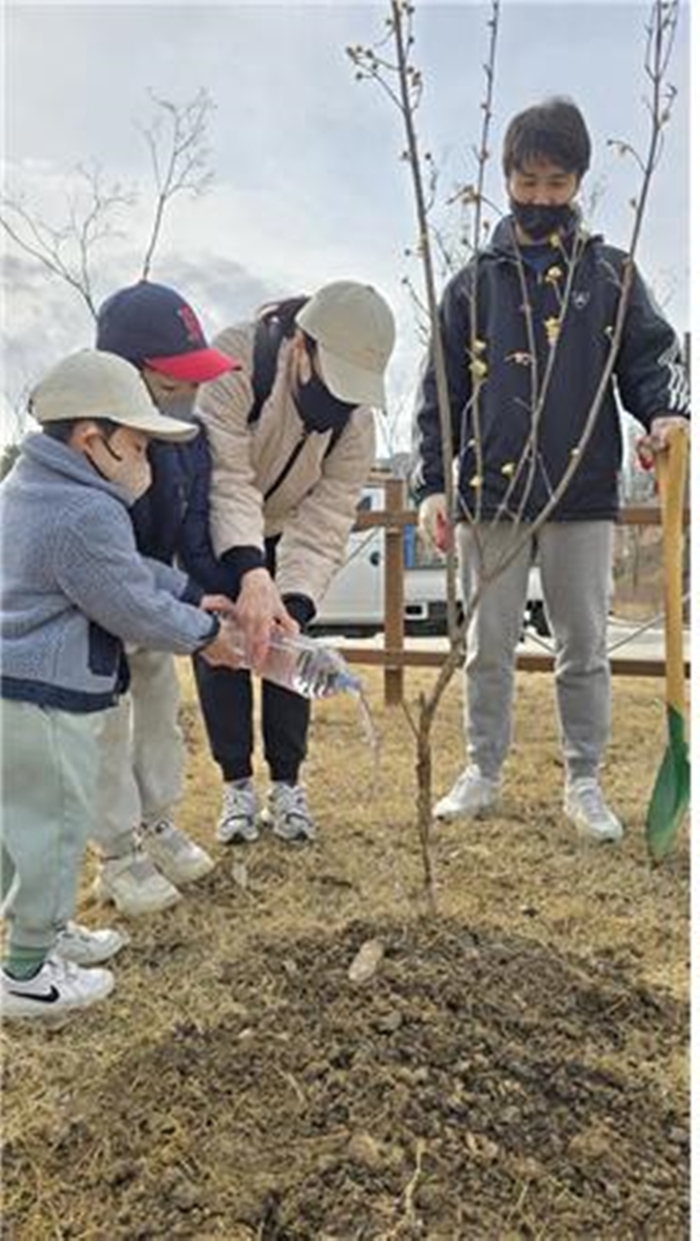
(90, 1102)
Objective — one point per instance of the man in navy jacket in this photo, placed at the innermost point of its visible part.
(526, 331)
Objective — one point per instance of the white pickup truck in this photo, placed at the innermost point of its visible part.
(354, 602)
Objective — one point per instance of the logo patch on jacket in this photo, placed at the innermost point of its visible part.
(579, 299)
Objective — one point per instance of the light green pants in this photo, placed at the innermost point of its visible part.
(49, 777)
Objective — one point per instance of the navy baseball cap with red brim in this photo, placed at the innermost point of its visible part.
(197, 367)
(152, 325)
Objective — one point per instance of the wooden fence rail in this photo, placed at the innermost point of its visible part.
(393, 656)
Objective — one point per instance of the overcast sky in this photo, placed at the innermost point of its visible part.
(308, 181)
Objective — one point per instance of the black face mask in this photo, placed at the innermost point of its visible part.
(539, 221)
(319, 409)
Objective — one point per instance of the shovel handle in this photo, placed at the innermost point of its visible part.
(671, 468)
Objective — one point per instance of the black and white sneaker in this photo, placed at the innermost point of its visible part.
(58, 987)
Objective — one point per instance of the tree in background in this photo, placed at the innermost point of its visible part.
(175, 137)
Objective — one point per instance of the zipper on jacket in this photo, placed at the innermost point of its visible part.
(288, 465)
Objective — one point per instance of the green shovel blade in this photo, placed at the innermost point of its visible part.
(671, 796)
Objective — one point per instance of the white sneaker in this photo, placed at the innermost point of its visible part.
(59, 985)
(585, 806)
(237, 823)
(82, 946)
(174, 853)
(287, 813)
(133, 884)
(469, 797)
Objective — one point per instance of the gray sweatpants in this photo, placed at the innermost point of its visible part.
(49, 776)
(575, 560)
(142, 753)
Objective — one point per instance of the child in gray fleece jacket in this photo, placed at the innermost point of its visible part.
(74, 589)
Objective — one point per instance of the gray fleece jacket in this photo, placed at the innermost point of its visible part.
(74, 587)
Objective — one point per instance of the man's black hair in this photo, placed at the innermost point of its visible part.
(554, 130)
(63, 428)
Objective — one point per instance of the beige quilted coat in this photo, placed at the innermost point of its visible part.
(313, 508)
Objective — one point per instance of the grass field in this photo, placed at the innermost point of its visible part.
(515, 1068)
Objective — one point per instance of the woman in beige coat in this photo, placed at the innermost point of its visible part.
(292, 441)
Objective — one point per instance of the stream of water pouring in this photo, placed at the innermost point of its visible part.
(371, 736)
(326, 675)
(321, 672)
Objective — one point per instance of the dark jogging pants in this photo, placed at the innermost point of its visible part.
(226, 699)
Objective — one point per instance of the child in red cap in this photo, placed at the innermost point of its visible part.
(145, 856)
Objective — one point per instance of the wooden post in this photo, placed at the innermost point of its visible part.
(393, 593)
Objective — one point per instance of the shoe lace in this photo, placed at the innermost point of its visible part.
(140, 866)
(239, 803)
(290, 799)
(590, 798)
(472, 776)
(60, 969)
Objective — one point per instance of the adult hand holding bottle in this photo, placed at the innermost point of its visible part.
(259, 609)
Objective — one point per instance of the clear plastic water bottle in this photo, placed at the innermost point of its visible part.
(301, 664)
(308, 667)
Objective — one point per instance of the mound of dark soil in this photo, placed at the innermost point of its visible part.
(476, 1086)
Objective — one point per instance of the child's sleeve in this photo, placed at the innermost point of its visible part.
(99, 569)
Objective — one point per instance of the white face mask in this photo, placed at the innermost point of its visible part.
(120, 461)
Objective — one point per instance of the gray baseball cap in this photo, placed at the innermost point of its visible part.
(354, 330)
(92, 384)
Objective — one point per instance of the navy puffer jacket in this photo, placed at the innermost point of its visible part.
(171, 521)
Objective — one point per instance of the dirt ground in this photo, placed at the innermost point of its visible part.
(515, 1068)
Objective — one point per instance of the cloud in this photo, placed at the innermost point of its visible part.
(221, 290)
(309, 185)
